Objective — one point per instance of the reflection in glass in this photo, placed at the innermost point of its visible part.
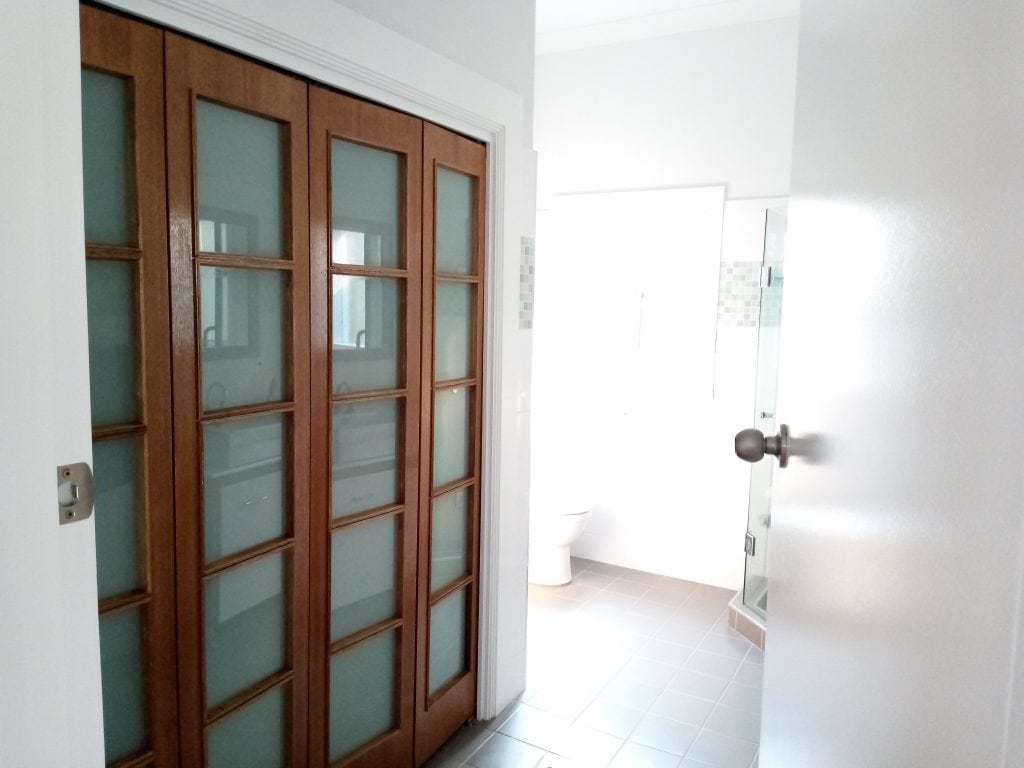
(365, 315)
(454, 222)
(124, 697)
(238, 179)
(447, 640)
(364, 456)
(252, 737)
(363, 575)
(110, 291)
(244, 613)
(365, 206)
(448, 552)
(451, 435)
(243, 483)
(453, 316)
(107, 166)
(362, 693)
(118, 518)
(242, 316)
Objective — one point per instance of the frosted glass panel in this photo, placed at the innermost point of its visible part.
(363, 575)
(451, 435)
(244, 611)
(117, 514)
(454, 220)
(453, 317)
(238, 178)
(243, 483)
(110, 290)
(252, 737)
(365, 185)
(447, 640)
(362, 693)
(365, 316)
(107, 165)
(364, 456)
(242, 318)
(124, 695)
(448, 555)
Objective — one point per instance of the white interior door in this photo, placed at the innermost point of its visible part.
(896, 529)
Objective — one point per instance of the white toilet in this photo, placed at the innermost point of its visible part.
(554, 526)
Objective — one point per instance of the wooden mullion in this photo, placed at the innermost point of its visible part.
(369, 514)
(358, 270)
(455, 485)
(99, 434)
(239, 412)
(238, 261)
(117, 603)
(250, 694)
(364, 634)
(112, 253)
(451, 587)
(369, 395)
(469, 382)
(456, 277)
(142, 760)
(246, 556)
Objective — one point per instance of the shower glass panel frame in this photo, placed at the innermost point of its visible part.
(756, 576)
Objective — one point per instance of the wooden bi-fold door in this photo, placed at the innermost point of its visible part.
(286, 360)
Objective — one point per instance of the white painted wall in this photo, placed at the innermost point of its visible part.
(713, 107)
(49, 661)
(695, 109)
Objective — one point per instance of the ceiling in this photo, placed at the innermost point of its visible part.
(572, 24)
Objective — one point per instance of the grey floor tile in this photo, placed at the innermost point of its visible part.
(535, 726)
(625, 586)
(648, 671)
(587, 746)
(682, 707)
(749, 674)
(629, 693)
(501, 751)
(743, 697)
(736, 647)
(698, 684)
(551, 760)
(613, 719)
(738, 723)
(634, 755)
(712, 664)
(666, 652)
(664, 734)
(722, 751)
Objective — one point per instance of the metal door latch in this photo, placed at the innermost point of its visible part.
(74, 492)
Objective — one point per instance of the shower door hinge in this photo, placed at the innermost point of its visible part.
(750, 544)
(766, 276)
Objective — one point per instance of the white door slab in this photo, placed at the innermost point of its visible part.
(896, 549)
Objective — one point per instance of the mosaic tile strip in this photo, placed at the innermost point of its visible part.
(527, 277)
(739, 293)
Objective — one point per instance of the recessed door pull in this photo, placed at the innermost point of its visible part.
(752, 445)
(74, 492)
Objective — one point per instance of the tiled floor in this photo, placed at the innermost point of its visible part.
(625, 670)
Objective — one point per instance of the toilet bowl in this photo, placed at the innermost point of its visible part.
(551, 534)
